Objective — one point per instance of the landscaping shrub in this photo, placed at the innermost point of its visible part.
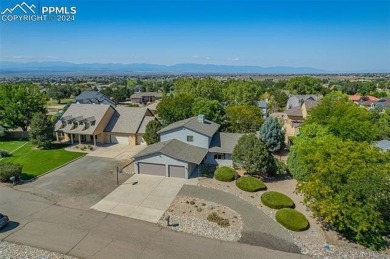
(4, 153)
(8, 169)
(224, 174)
(292, 219)
(214, 217)
(250, 184)
(276, 200)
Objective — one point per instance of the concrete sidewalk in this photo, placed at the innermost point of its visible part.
(147, 200)
(117, 151)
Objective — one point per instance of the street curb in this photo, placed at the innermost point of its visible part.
(36, 177)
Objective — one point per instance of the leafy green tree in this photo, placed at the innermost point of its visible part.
(58, 92)
(272, 135)
(279, 100)
(347, 187)
(250, 154)
(344, 119)
(242, 92)
(41, 132)
(151, 130)
(208, 88)
(212, 109)
(175, 108)
(244, 118)
(18, 103)
(304, 85)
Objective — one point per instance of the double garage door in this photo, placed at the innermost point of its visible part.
(116, 139)
(159, 169)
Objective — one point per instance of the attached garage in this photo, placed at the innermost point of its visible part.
(116, 139)
(152, 169)
(176, 171)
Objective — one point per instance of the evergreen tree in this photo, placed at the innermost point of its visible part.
(272, 135)
(151, 130)
(41, 132)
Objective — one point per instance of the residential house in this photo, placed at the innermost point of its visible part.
(102, 123)
(263, 105)
(93, 97)
(296, 116)
(145, 97)
(297, 100)
(384, 145)
(185, 146)
(383, 103)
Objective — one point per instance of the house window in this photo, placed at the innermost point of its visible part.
(190, 138)
(219, 156)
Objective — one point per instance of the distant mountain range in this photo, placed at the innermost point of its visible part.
(40, 68)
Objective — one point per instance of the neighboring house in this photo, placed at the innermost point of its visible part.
(185, 146)
(296, 116)
(383, 103)
(355, 98)
(297, 100)
(383, 144)
(145, 97)
(153, 107)
(92, 123)
(263, 105)
(94, 97)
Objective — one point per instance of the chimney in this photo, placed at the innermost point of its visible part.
(201, 118)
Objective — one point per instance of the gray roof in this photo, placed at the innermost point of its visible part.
(208, 128)
(142, 94)
(296, 111)
(128, 120)
(224, 142)
(383, 144)
(176, 149)
(262, 104)
(81, 113)
(297, 100)
(310, 104)
(96, 97)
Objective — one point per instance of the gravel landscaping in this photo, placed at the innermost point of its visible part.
(190, 215)
(315, 240)
(11, 251)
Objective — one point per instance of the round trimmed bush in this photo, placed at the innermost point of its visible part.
(250, 184)
(276, 200)
(224, 174)
(292, 219)
(4, 153)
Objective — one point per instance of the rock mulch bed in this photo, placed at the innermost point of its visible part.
(11, 250)
(189, 215)
(313, 241)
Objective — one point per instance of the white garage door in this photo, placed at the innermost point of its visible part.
(176, 171)
(153, 169)
(115, 139)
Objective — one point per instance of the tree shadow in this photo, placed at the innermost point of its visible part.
(10, 226)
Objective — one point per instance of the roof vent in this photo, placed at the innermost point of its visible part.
(201, 118)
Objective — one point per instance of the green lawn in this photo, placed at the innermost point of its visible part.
(63, 101)
(36, 162)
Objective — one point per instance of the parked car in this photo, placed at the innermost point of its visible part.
(3, 220)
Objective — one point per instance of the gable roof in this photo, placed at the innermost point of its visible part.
(262, 104)
(128, 120)
(142, 94)
(81, 113)
(96, 97)
(297, 100)
(355, 97)
(176, 149)
(224, 142)
(208, 128)
(296, 111)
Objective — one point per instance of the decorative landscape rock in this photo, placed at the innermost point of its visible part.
(250, 184)
(276, 200)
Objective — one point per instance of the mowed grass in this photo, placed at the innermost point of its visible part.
(36, 162)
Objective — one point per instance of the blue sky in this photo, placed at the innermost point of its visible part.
(331, 35)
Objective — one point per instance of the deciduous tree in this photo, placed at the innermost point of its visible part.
(244, 118)
(41, 132)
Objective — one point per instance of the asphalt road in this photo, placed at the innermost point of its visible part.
(41, 223)
(80, 184)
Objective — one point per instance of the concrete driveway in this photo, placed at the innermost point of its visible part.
(117, 151)
(80, 184)
(147, 200)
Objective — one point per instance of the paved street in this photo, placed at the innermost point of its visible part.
(80, 184)
(147, 200)
(94, 234)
